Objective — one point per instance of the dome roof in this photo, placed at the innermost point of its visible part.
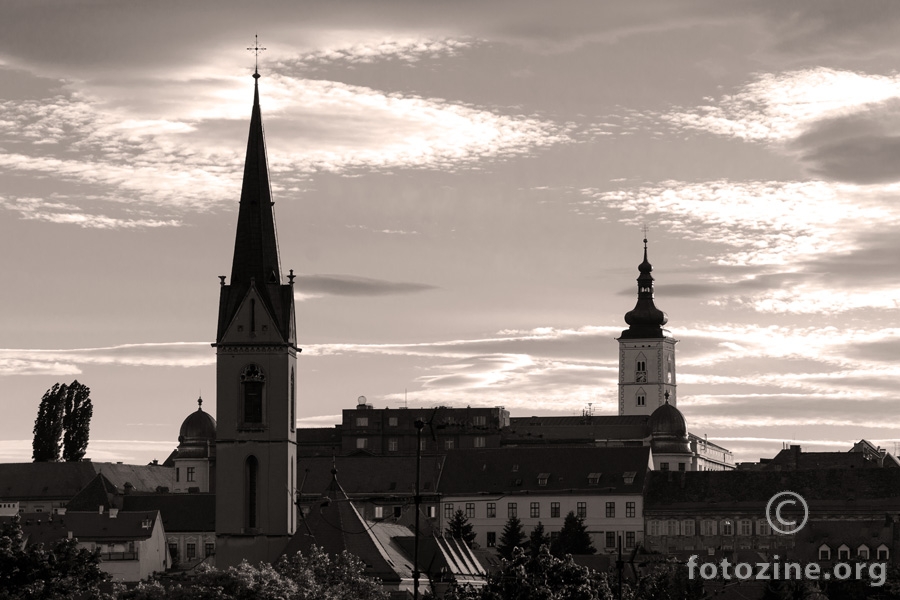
(668, 430)
(198, 428)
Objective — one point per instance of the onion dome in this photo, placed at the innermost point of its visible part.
(668, 430)
(198, 429)
(645, 320)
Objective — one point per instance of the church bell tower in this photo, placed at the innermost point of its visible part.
(646, 353)
(256, 356)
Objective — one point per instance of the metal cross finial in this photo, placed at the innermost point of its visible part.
(645, 229)
(256, 49)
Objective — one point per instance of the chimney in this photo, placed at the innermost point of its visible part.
(113, 512)
(70, 535)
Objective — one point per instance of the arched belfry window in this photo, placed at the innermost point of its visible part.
(640, 397)
(253, 384)
(640, 368)
(251, 484)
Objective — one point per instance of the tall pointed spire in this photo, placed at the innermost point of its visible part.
(645, 320)
(256, 262)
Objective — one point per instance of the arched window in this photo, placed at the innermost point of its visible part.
(640, 397)
(251, 483)
(640, 368)
(253, 382)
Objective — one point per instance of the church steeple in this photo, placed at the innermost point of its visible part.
(256, 262)
(645, 320)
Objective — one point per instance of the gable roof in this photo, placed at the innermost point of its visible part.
(44, 528)
(63, 480)
(99, 492)
(518, 470)
(180, 512)
(369, 475)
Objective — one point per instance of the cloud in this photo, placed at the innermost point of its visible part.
(37, 209)
(380, 47)
(20, 361)
(350, 285)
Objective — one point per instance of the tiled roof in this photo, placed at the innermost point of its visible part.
(549, 430)
(99, 492)
(44, 528)
(63, 480)
(821, 488)
(180, 512)
(366, 474)
(517, 470)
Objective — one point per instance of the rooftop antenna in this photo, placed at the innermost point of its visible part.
(256, 49)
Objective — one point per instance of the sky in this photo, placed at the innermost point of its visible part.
(461, 189)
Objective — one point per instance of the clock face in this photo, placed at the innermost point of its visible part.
(641, 377)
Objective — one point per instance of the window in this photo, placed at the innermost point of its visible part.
(610, 510)
(640, 369)
(177, 474)
(448, 444)
(628, 477)
(379, 512)
(883, 552)
(190, 473)
(824, 552)
(423, 444)
(491, 510)
(641, 400)
(293, 400)
(681, 466)
(448, 510)
(746, 527)
(863, 552)
(593, 478)
(398, 510)
(392, 421)
(515, 468)
(491, 539)
(252, 383)
(629, 510)
(671, 528)
(479, 421)
(688, 528)
(844, 552)
(393, 444)
(543, 478)
(470, 510)
(191, 550)
(762, 527)
(610, 539)
(629, 539)
(708, 527)
(511, 510)
(362, 443)
(727, 527)
(209, 549)
(653, 528)
(664, 466)
(554, 510)
(362, 421)
(432, 512)
(479, 441)
(535, 512)
(581, 510)
(251, 474)
(173, 549)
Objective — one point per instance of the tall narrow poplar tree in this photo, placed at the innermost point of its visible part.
(77, 421)
(63, 423)
(48, 427)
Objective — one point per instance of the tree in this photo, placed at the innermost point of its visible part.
(573, 538)
(60, 572)
(511, 538)
(77, 421)
(538, 539)
(48, 426)
(64, 409)
(320, 576)
(459, 527)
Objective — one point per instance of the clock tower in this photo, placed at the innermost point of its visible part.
(646, 353)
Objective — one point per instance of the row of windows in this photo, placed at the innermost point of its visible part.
(394, 444)
(862, 552)
(610, 538)
(190, 550)
(687, 527)
(664, 466)
(534, 510)
(477, 421)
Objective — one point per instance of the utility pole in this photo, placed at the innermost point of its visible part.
(620, 567)
(417, 499)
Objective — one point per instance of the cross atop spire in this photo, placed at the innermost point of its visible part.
(256, 49)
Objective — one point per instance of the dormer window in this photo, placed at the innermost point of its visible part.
(629, 476)
(543, 478)
(515, 468)
(824, 552)
(594, 478)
